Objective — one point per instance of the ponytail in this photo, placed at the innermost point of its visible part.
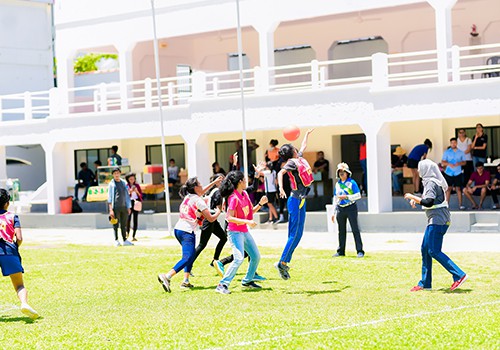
(188, 187)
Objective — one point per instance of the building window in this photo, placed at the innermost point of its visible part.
(174, 151)
(89, 156)
(493, 134)
(224, 151)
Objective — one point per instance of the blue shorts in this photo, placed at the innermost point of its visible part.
(10, 260)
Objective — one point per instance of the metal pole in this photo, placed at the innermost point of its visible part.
(160, 110)
(242, 93)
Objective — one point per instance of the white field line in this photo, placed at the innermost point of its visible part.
(361, 324)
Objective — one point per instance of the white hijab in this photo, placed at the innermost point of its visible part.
(429, 172)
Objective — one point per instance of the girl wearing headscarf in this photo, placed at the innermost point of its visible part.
(345, 195)
(435, 205)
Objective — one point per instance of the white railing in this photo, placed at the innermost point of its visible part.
(379, 71)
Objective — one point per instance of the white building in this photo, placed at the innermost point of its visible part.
(310, 63)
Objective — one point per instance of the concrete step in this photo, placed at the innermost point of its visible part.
(491, 217)
(485, 228)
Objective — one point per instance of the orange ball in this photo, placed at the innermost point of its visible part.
(291, 133)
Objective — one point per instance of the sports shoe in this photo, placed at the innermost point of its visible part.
(283, 270)
(251, 285)
(458, 283)
(461, 207)
(134, 239)
(117, 243)
(186, 285)
(336, 255)
(219, 267)
(258, 278)
(222, 289)
(29, 311)
(418, 289)
(127, 243)
(165, 282)
(361, 255)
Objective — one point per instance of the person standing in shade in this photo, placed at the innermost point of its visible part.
(362, 161)
(322, 166)
(135, 193)
(191, 211)
(119, 205)
(479, 143)
(438, 220)
(116, 159)
(86, 178)
(11, 239)
(465, 145)
(418, 153)
(345, 195)
(173, 172)
(453, 160)
(300, 173)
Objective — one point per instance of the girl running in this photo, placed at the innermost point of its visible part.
(438, 217)
(192, 208)
(301, 178)
(239, 217)
(10, 261)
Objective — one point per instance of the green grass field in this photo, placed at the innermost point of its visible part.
(104, 297)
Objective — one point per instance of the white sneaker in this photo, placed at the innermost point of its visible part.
(29, 311)
(117, 243)
(127, 242)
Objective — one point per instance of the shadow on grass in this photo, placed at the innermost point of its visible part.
(248, 290)
(456, 291)
(319, 292)
(9, 319)
(329, 282)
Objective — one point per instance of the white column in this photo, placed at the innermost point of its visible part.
(442, 9)
(198, 157)
(266, 49)
(126, 72)
(55, 167)
(3, 163)
(378, 155)
(65, 78)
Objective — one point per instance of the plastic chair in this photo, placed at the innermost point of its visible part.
(493, 60)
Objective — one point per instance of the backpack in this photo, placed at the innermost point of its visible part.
(304, 171)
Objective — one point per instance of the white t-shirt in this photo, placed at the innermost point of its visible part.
(270, 180)
(189, 212)
(463, 147)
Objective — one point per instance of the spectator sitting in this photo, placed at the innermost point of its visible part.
(495, 188)
(481, 180)
(398, 161)
(173, 172)
(85, 179)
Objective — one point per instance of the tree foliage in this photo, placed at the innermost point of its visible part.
(87, 63)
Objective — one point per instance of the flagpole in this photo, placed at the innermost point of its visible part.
(160, 112)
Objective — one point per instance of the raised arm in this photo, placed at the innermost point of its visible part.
(304, 142)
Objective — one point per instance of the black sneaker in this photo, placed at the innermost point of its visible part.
(283, 270)
(165, 282)
(222, 289)
(336, 255)
(186, 285)
(251, 285)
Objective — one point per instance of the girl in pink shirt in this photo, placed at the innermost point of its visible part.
(239, 217)
(10, 260)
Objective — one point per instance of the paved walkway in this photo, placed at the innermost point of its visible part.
(454, 242)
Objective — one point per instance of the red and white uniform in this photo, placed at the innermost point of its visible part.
(189, 213)
(7, 227)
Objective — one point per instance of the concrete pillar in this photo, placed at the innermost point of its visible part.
(65, 79)
(57, 182)
(198, 157)
(125, 59)
(266, 48)
(378, 154)
(3, 163)
(442, 9)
